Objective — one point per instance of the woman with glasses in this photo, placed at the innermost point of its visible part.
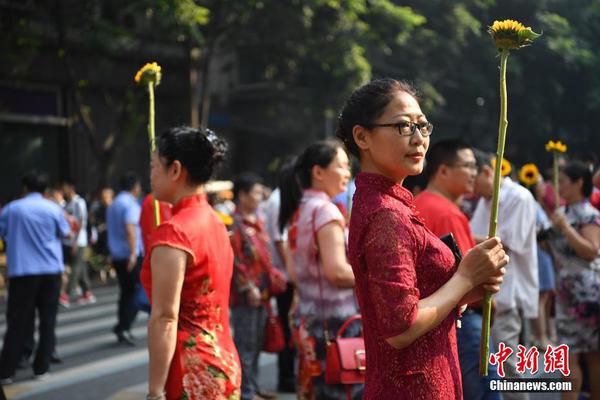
(408, 283)
(322, 274)
(575, 244)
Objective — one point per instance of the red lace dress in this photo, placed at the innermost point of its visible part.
(396, 262)
(205, 364)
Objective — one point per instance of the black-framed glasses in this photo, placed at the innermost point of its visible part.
(407, 128)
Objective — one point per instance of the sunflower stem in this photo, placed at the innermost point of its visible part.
(487, 301)
(555, 179)
(151, 138)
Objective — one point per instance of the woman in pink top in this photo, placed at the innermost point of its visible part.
(322, 275)
(407, 282)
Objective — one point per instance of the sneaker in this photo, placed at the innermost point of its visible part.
(6, 381)
(63, 300)
(87, 298)
(42, 377)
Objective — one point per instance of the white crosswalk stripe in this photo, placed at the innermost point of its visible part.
(94, 366)
(81, 332)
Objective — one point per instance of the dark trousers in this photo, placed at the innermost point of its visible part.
(25, 295)
(127, 284)
(286, 357)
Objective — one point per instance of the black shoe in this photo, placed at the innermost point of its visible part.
(122, 338)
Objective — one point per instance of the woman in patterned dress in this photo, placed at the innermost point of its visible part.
(575, 246)
(323, 277)
(407, 282)
(187, 275)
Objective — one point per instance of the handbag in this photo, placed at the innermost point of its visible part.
(274, 336)
(346, 358)
(345, 361)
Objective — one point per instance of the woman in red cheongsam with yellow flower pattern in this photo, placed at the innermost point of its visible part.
(187, 275)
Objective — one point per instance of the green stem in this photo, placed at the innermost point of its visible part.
(555, 179)
(487, 301)
(151, 138)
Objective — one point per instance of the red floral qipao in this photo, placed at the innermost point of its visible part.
(205, 364)
(397, 261)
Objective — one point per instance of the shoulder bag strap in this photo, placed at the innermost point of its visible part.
(320, 279)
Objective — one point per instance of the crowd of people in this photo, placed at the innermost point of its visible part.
(398, 255)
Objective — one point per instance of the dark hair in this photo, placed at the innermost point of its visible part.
(482, 158)
(444, 152)
(128, 181)
(295, 180)
(199, 151)
(576, 170)
(35, 181)
(365, 105)
(245, 182)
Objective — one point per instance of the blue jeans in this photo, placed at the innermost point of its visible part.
(475, 387)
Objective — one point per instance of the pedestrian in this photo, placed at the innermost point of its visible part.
(575, 244)
(254, 277)
(324, 278)
(408, 285)
(450, 171)
(76, 247)
(281, 258)
(32, 228)
(125, 246)
(517, 300)
(187, 276)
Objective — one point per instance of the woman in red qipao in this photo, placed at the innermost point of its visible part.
(187, 275)
(407, 282)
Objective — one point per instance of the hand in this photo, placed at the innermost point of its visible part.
(559, 220)
(483, 263)
(132, 262)
(74, 250)
(253, 296)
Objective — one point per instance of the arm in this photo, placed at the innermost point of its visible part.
(336, 268)
(586, 244)
(131, 234)
(168, 271)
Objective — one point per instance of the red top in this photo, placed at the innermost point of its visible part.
(397, 262)
(252, 259)
(443, 216)
(147, 224)
(205, 364)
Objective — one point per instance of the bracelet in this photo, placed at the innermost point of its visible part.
(161, 396)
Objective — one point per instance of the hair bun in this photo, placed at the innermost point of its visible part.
(219, 146)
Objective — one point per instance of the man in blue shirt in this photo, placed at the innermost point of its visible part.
(125, 245)
(32, 228)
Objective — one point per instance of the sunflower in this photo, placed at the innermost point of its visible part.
(506, 167)
(556, 146)
(151, 72)
(529, 174)
(509, 34)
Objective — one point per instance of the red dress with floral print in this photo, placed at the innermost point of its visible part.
(205, 364)
(397, 261)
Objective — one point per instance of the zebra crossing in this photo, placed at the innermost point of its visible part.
(94, 366)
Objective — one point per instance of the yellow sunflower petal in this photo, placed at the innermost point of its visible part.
(151, 72)
(529, 174)
(510, 34)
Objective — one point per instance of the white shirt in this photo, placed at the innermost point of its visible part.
(517, 230)
(271, 214)
(78, 209)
